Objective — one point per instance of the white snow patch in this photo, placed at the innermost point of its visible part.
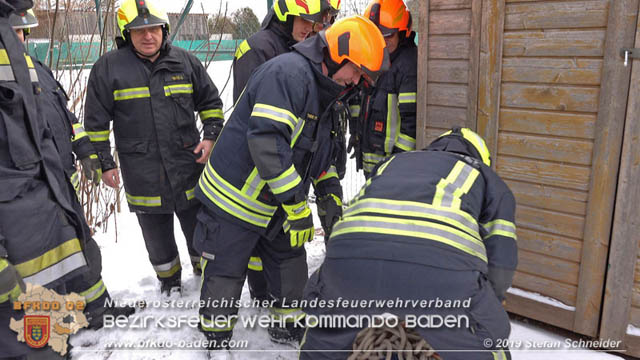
(632, 330)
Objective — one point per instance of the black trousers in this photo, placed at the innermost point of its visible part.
(158, 233)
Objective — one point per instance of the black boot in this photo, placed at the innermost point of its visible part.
(171, 286)
(217, 340)
(286, 335)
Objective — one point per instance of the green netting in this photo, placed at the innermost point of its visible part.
(76, 54)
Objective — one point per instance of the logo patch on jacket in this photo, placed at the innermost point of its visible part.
(177, 77)
(310, 116)
(379, 126)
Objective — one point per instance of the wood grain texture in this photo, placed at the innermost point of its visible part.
(474, 64)
(447, 94)
(449, 4)
(550, 245)
(574, 71)
(550, 221)
(550, 97)
(450, 22)
(554, 43)
(444, 117)
(549, 198)
(548, 123)
(448, 71)
(556, 290)
(548, 267)
(542, 172)
(423, 73)
(556, 15)
(545, 148)
(623, 254)
(621, 31)
(448, 46)
(536, 310)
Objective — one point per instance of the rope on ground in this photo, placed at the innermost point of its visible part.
(382, 342)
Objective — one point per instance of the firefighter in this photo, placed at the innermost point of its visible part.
(385, 115)
(437, 223)
(42, 240)
(283, 139)
(287, 23)
(68, 135)
(150, 89)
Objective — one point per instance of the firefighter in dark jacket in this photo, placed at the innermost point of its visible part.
(385, 115)
(287, 23)
(437, 223)
(68, 135)
(283, 139)
(42, 239)
(151, 90)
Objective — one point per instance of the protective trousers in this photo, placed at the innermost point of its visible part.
(157, 231)
(375, 279)
(226, 248)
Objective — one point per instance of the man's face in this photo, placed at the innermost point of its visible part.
(349, 74)
(147, 41)
(392, 42)
(301, 28)
(20, 34)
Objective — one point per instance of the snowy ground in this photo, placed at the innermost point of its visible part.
(130, 277)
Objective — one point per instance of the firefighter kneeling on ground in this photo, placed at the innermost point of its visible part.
(431, 224)
(283, 136)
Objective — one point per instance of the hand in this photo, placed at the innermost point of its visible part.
(111, 178)
(301, 222)
(12, 284)
(329, 211)
(205, 148)
(91, 168)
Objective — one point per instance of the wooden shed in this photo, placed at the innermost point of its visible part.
(545, 84)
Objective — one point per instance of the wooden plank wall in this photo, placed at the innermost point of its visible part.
(452, 66)
(549, 95)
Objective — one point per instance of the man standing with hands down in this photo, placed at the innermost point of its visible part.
(150, 89)
(282, 140)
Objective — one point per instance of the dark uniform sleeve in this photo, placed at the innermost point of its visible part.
(328, 183)
(245, 61)
(207, 100)
(407, 96)
(98, 112)
(272, 127)
(80, 143)
(498, 229)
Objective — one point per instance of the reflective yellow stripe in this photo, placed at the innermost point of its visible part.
(405, 142)
(457, 183)
(407, 98)
(285, 181)
(178, 89)
(253, 185)
(190, 193)
(94, 292)
(132, 93)
(454, 217)
(53, 264)
(255, 263)
(11, 294)
(149, 201)
(393, 123)
(213, 113)
(290, 315)
(412, 228)
(33, 74)
(4, 57)
(218, 325)
(95, 136)
(275, 113)
(75, 182)
(500, 227)
(354, 110)
(167, 270)
(78, 132)
(331, 173)
(382, 167)
(29, 61)
(242, 49)
(499, 355)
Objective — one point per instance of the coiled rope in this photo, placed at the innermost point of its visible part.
(383, 342)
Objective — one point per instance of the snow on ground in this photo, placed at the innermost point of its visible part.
(130, 277)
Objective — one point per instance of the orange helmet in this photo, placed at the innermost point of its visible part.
(358, 40)
(390, 16)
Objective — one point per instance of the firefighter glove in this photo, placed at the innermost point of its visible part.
(11, 284)
(329, 211)
(301, 223)
(91, 168)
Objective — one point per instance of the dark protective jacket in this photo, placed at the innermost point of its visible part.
(152, 107)
(68, 134)
(272, 40)
(40, 232)
(271, 134)
(385, 115)
(434, 208)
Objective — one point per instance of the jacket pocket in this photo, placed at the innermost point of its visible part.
(132, 146)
